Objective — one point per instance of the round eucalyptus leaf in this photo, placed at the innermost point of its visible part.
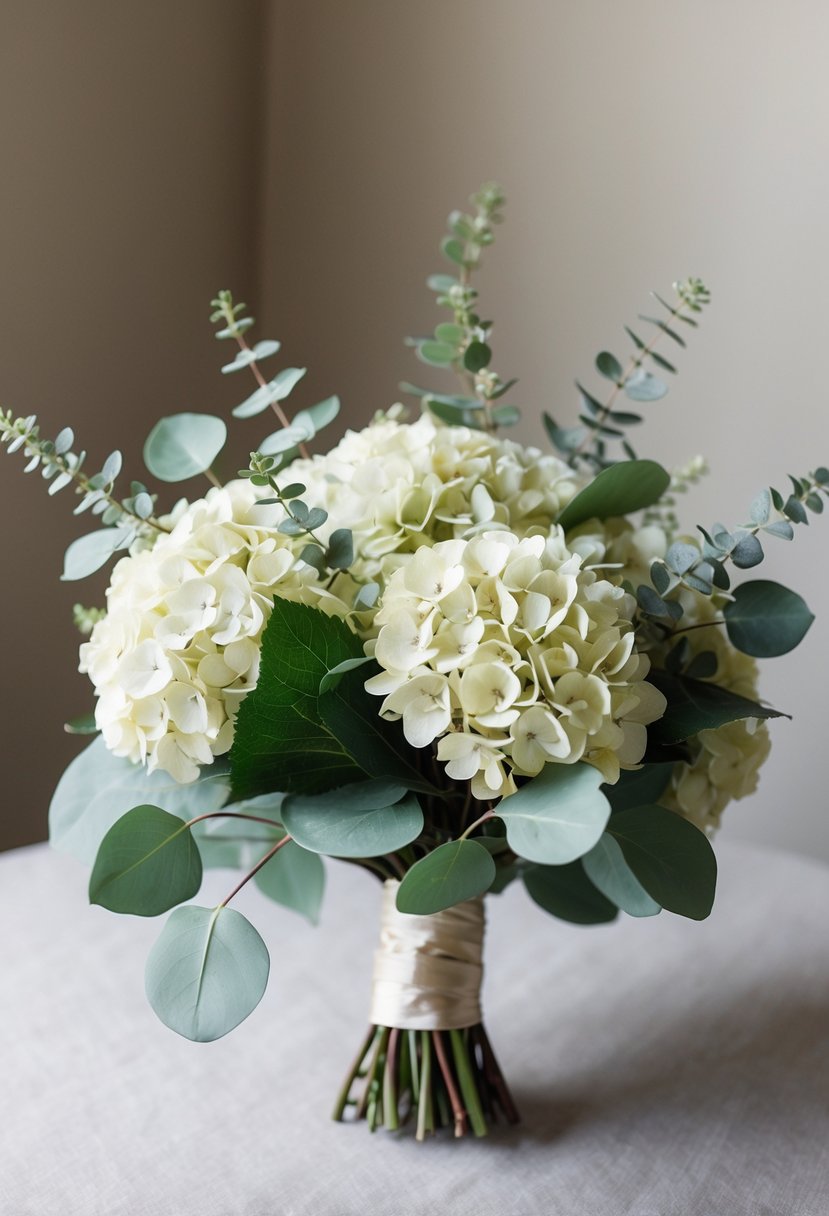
(183, 445)
(609, 366)
(340, 826)
(450, 874)
(294, 878)
(558, 815)
(607, 869)
(97, 788)
(618, 490)
(207, 972)
(567, 893)
(147, 863)
(440, 354)
(671, 858)
(319, 415)
(642, 386)
(766, 619)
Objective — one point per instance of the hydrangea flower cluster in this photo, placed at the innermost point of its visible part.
(512, 655)
(179, 645)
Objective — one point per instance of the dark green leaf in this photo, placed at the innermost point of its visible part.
(147, 863)
(670, 857)
(694, 705)
(747, 552)
(703, 666)
(766, 619)
(340, 549)
(609, 366)
(476, 356)
(450, 874)
(616, 491)
(567, 892)
(638, 787)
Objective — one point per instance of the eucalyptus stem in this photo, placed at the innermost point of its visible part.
(280, 844)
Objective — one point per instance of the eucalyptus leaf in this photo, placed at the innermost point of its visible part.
(98, 788)
(617, 491)
(476, 356)
(557, 816)
(294, 878)
(275, 390)
(439, 354)
(637, 787)
(671, 858)
(89, 553)
(567, 893)
(642, 386)
(609, 366)
(183, 445)
(147, 863)
(448, 875)
(766, 619)
(747, 552)
(607, 869)
(342, 824)
(207, 972)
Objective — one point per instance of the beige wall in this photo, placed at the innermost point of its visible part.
(638, 142)
(129, 144)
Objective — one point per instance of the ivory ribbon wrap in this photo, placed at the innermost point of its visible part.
(428, 969)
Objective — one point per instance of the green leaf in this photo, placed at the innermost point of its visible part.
(450, 874)
(760, 510)
(476, 356)
(638, 787)
(295, 879)
(747, 552)
(207, 972)
(441, 283)
(452, 334)
(318, 416)
(567, 892)
(607, 869)
(88, 553)
(281, 741)
(340, 549)
(780, 528)
(275, 390)
(558, 815)
(642, 386)
(452, 414)
(670, 857)
(147, 863)
(766, 619)
(694, 705)
(287, 438)
(364, 820)
(377, 746)
(439, 354)
(183, 445)
(84, 724)
(616, 491)
(98, 788)
(609, 366)
(506, 415)
(453, 250)
(332, 678)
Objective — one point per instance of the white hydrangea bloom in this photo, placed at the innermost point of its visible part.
(179, 646)
(726, 761)
(512, 655)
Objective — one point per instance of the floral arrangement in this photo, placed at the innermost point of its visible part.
(433, 652)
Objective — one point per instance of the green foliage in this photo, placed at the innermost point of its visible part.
(607, 869)
(207, 972)
(231, 840)
(638, 786)
(463, 344)
(290, 738)
(617, 490)
(183, 445)
(125, 520)
(765, 619)
(451, 873)
(695, 705)
(671, 859)
(295, 879)
(147, 863)
(567, 893)
(98, 788)
(557, 816)
(368, 819)
(601, 422)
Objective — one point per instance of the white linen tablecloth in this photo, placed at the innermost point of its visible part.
(663, 1068)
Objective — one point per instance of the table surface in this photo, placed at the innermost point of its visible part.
(662, 1067)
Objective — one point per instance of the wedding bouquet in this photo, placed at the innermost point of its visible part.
(433, 652)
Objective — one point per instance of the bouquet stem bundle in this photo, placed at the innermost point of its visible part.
(438, 1078)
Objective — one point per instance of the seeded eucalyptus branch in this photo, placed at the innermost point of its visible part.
(462, 344)
(600, 420)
